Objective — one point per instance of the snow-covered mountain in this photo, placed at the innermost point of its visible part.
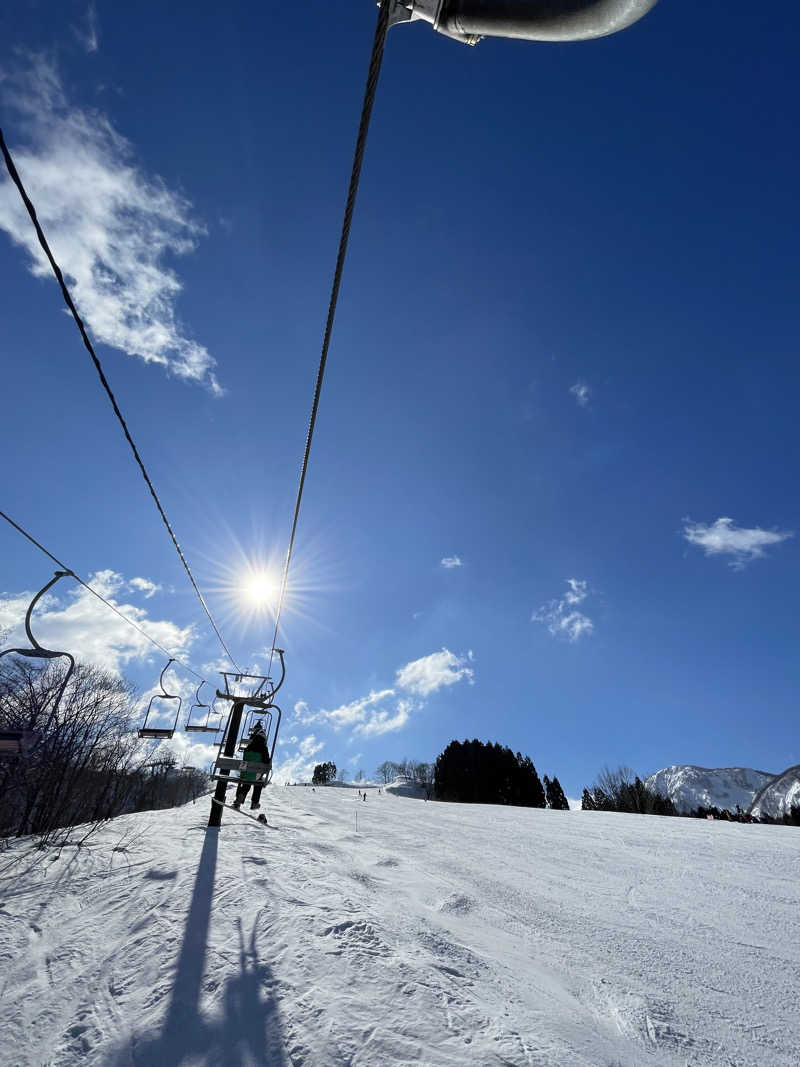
(397, 932)
(777, 797)
(689, 787)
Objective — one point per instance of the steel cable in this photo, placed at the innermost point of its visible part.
(99, 596)
(376, 59)
(12, 170)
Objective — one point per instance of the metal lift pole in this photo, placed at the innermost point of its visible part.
(231, 737)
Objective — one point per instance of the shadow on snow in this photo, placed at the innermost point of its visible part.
(248, 1031)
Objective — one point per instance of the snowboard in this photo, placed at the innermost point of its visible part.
(256, 818)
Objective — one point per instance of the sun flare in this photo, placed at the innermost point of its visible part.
(261, 590)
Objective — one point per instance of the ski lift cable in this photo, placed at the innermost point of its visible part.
(376, 59)
(99, 596)
(12, 170)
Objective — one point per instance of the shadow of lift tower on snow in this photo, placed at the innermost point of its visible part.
(245, 1027)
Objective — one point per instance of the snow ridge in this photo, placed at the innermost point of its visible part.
(690, 787)
(779, 796)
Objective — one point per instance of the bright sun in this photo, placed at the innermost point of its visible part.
(261, 589)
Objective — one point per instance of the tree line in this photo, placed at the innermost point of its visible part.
(87, 764)
(477, 772)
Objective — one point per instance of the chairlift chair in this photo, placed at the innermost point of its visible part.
(259, 701)
(21, 742)
(159, 732)
(201, 728)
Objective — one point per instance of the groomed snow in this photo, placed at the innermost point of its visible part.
(432, 934)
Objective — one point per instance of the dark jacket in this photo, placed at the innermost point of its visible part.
(258, 743)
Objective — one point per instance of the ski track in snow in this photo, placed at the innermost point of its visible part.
(437, 934)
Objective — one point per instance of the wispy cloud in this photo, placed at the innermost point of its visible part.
(144, 585)
(582, 393)
(111, 227)
(561, 616)
(724, 538)
(450, 562)
(431, 673)
(387, 710)
(79, 623)
(87, 31)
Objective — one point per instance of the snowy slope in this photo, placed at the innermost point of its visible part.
(434, 934)
(406, 787)
(778, 797)
(722, 787)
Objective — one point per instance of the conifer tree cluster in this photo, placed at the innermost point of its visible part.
(474, 772)
(556, 797)
(324, 773)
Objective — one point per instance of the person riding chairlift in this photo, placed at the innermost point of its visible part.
(256, 743)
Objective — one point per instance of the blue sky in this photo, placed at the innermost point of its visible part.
(564, 361)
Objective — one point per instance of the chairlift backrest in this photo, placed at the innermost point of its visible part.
(202, 727)
(37, 651)
(254, 715)
(161, 733)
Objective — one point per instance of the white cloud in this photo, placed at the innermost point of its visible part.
(582, 393)
(110, 226)
(74, 620)
(383, 711)
(430, 673)
(561, 615)
(450, 562)
(723, 538)
(303, 713)
(357, 710)
(187, 750)
(88, 32)
(299, 766)
(382, 722)
(377, 713)
(144, 585)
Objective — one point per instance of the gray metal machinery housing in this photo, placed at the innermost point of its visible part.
(529, 20)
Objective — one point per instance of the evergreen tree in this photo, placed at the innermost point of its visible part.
(587, 801)
(476, 773)
(556, 798)
(324, 773)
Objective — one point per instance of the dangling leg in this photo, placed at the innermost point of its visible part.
(242, 790)
(256, 797)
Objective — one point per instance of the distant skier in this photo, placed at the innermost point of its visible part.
(256, 743)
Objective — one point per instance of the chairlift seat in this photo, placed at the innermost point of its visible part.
(155, 731)
(236, 763)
